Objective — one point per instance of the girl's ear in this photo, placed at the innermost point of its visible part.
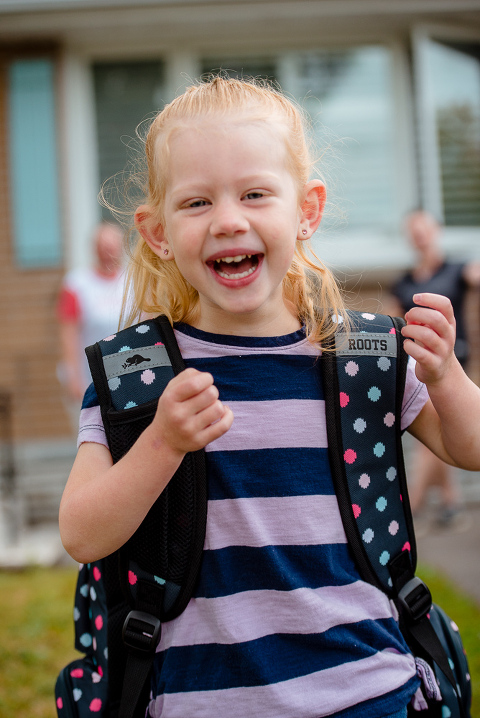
(152, 232)
(311, 210)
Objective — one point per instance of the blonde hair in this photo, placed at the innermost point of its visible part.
(157, 286)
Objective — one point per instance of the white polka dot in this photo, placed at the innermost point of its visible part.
(114, 383)
(142, 329)
(360, 425)
(366, 315)
(391, 473)
(368, 535)
(384, 363)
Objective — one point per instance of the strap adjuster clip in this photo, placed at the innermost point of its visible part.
(141, 631)
(415, 599)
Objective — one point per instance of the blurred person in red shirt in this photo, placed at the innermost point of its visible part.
(88, 309)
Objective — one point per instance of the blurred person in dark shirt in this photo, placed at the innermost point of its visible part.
(432, 272)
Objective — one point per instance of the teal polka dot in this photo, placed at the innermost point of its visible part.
(384, 558)
(381, 503)
(86, 640)
(374, 393)
(125, 349)
(130, 404)
(446, 712)
(114, 383)
(379, 449)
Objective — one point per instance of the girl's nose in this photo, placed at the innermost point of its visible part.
(228, 220)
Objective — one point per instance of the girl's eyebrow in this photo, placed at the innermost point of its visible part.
(199, 185)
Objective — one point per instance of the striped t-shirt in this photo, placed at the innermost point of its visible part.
(280, 625)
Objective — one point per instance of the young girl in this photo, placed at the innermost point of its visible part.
(280, 624)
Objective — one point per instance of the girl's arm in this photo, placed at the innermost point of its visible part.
(104, 503)
(449, 423)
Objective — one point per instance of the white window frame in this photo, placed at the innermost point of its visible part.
(463, 241)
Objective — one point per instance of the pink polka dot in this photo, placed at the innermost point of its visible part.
(96, 705)
(356, 510)
(77, 673)
(406, 546)
(351, 368)
(132, 579)
(393, 528)
(364, 481)
(349, 456)
(99, 623)
(344, 399)
(389, 419)
(147, 376)
(100, 670)
(97, 573)
(159, 344)
(109, 339)
(59, 703)
(392, 331)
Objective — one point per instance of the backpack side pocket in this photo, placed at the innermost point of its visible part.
(80, 691)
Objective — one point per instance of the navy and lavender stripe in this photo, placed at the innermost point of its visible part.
(281, 623)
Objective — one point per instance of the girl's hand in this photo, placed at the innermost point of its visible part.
(189, 414)
(431, 326)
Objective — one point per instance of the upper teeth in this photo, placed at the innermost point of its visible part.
(238, 258)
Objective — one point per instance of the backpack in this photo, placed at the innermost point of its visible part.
(122, 600)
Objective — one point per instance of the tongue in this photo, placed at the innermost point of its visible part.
(235, 267)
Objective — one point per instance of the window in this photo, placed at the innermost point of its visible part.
(452, 72)
(349, 95)
(33, 163)
(126, 93)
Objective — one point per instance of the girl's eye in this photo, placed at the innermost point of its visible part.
(196, 203)
(254, 195)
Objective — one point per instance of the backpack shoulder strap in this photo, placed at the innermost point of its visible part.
(158, 566)
(364, 382)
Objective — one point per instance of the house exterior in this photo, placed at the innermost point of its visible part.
(392, 87)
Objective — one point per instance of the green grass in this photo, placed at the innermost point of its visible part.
(36, 635)
(36, 638)
(466, 614)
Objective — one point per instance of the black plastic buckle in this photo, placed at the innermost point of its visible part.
(415, 599)
(141, 631)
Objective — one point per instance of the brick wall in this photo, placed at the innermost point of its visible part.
(28, 331)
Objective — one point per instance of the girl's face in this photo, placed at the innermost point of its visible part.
(231, 219)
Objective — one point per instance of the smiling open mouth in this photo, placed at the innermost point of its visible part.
(237, 267)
